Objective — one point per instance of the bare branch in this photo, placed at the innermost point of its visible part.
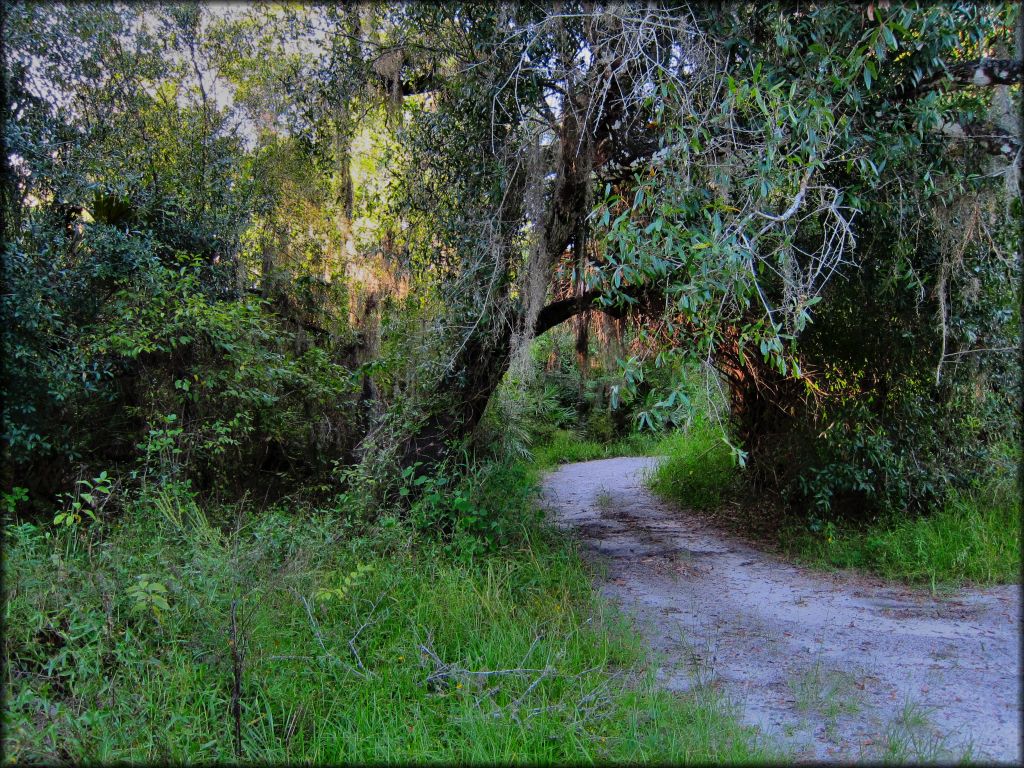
(992, 139)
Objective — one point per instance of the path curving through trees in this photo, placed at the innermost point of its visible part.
(832, 666)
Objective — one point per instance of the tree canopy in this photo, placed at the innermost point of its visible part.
(267, 238)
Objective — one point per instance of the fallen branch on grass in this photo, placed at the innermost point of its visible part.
(359, 669)
(365, 624)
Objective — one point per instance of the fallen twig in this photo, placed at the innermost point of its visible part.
(365, 624)
(314, 624)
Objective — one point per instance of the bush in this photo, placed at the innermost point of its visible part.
(185, 383)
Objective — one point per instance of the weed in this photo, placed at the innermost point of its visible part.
(310, 646)
(909, 738)
(828, 692)
(604, 501)
(9, 499)
(88, 499)
(150, 596)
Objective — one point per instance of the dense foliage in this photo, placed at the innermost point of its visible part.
(899, 384)
(327, 247)
(289, 290)
(132, 332)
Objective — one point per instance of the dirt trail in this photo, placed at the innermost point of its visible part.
(833, 667)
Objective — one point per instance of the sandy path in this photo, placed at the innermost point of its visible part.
(833, 667)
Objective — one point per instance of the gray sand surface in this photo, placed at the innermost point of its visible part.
(830, 666)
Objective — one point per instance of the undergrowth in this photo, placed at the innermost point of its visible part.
(699, 471)
(155, 635)
(974, 538)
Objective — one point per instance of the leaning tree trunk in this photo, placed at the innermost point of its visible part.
(472, 378)
(461, 396)
(589, 140)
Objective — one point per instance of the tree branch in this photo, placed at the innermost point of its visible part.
(983, 73)
(557, 312)
(994, 140)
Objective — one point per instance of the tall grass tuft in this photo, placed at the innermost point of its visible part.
(699, 471)
(974, 538)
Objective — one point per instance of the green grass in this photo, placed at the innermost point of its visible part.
(566, 447)
(699, 471)
(975, 538)
(360, 643)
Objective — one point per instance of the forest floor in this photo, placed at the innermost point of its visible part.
(830, 666)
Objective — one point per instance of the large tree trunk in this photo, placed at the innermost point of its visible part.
(462, 397)
(483, 359)
(589, 140)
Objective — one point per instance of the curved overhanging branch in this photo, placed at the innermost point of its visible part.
(982, 73)
(557, 312)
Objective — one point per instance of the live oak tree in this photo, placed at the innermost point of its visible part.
(721, 171)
